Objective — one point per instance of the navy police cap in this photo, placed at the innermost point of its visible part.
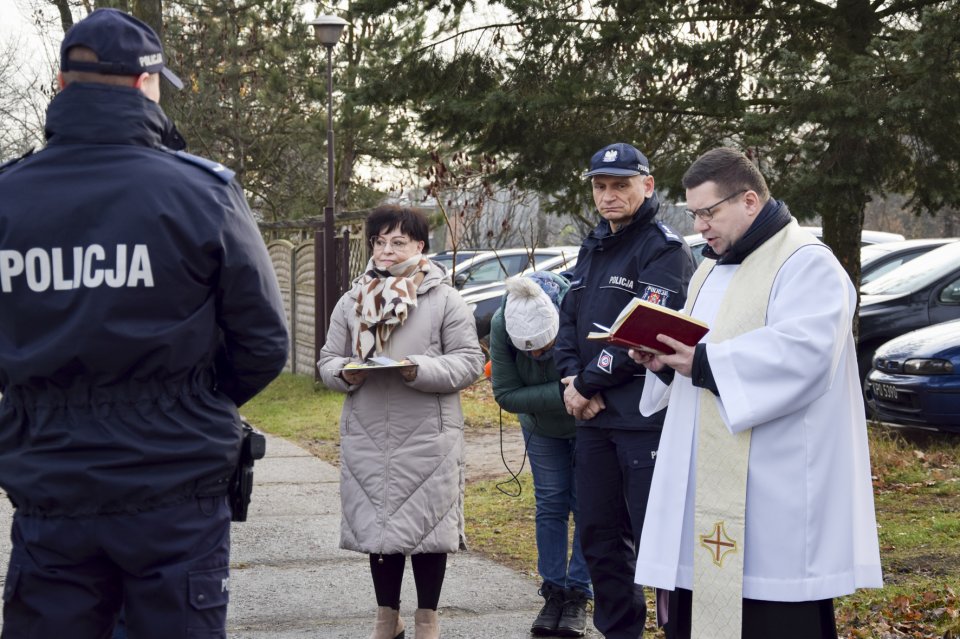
(123, 44)
(618, 159)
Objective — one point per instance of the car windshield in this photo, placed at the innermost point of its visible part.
(871, 252)
(916, 273)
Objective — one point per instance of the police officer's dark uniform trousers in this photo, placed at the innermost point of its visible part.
(616, 450)
(138, 309)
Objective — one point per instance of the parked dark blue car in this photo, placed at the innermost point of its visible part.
(920, 293)
(916, 378)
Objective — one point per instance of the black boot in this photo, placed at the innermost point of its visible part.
(573, 619)
(546, 621)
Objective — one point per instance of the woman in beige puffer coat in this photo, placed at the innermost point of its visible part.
(401, 430)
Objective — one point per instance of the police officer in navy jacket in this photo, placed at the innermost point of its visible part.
(629, 254)
(138, 310)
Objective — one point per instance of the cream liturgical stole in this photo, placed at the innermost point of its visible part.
(719, 522)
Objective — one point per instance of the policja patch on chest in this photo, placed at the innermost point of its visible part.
(621, 282)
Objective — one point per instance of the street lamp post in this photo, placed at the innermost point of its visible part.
(327, 30)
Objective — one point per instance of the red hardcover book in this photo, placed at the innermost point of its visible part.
(640, 322)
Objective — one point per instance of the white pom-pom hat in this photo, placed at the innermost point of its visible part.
(531, 319)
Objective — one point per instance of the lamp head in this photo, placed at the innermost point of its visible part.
(328, 29)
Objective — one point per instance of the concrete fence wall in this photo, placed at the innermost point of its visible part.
(296, 274)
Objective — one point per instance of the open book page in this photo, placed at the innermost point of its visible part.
(639, 323)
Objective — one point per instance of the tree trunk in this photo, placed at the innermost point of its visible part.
(845, 199)
(151, 12)
(950, 227)
(66, 18)
(123, 5)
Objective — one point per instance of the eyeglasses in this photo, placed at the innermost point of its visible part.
(397, 244)
(706, 213)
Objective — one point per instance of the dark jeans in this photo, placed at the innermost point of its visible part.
(551, 462)
(614, 468)
(762, 619)
(168, 568)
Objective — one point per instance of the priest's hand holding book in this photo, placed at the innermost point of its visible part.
(655, 335)
(681, 360)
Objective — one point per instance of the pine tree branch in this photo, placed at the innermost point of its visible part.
(905, 5)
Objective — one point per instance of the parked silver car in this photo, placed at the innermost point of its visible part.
(493, 267)
(880, 259)
(485, 300)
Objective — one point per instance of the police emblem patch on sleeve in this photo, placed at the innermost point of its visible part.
(655, 295)
(605, 362)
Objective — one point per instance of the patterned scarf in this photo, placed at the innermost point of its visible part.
(384, 301)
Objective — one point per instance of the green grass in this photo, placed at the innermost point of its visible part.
(480, 409)
(917, 492)
(294, 408)
(500, 526)
(917, 498)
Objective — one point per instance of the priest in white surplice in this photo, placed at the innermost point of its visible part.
(761, 503)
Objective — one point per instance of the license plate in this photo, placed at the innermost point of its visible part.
(885, 391)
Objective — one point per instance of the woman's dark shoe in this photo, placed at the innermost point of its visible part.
(546, 622)
(573, 618)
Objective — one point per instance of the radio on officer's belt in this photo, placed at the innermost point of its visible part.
(254, 447)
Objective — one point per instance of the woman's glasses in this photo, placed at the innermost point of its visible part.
(399, 245)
